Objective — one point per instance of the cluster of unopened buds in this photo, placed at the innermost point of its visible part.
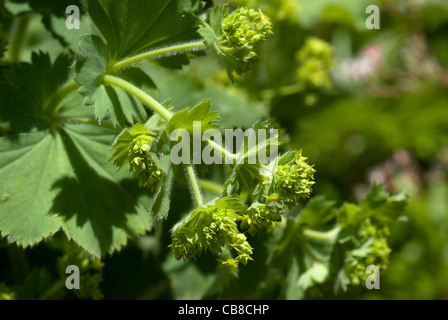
(219, 226)
(316, 61)
(236, 36)
(373, 250)
(142, 165)
(214, 226)
(133, 147)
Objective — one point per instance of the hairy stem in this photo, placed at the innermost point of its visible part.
(194, 185)
(328, 236)
(143, 96)
(156, 53)
(19, 33)
(258, 149)
(221, 150)
(211, 186)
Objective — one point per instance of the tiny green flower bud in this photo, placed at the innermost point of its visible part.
(212, 227)
(235, 36)
(230, 263)
(316, 58)
(246, 27)
(242, 30)
(294, 180)
(373, 250)
(260, 216)
(133, 147)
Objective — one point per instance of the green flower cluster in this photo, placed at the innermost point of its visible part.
(265, 190)
(294, 180)
(212, 227)
(133, 147)
(142, 165)
(235, 36)
(373, 250)
(260, 216)
(246, 27)
(242, 30)
(316, 58)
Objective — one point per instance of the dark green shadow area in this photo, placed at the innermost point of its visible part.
(90, 199)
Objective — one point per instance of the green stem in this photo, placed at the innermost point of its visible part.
(211, 186)
(194, 185)
(328, 236)
(19, 34)
(143, 96)
(258, 150)
(282, 91)
(59, 96)
(221, 150)
(170, 50)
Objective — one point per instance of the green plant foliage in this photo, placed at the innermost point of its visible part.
(212, 227)
(127, 31)
(48, 166)
(336, 160)
(90, 69)
(294, 178)
(184, 119)
(316, 58)
(234, 36)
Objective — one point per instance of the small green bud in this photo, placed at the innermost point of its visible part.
(142, 144)
(142, 165)
(134, 147)
(373, 250)
(246, 27)
(211, 227)
(294, 180)
(242, 30)
(316, 58)
(258, 217)
(235, 36)
(230, 263)
(146, 170)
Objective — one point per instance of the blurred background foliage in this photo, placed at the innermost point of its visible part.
(364, 105)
